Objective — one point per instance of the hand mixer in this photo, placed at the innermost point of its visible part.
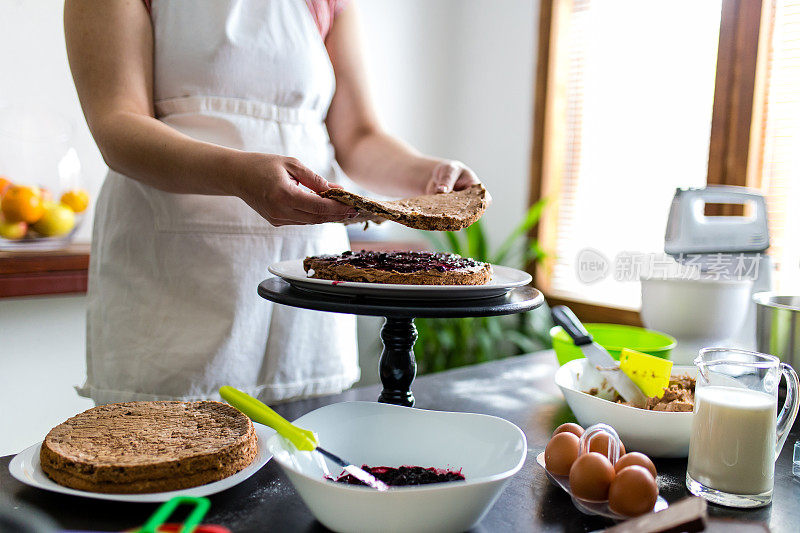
(690, 231)
(723, 246)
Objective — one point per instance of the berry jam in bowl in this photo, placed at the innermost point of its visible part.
(403, 476)
(485, 450)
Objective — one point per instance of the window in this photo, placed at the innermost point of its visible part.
(778, 178)
(638, 97)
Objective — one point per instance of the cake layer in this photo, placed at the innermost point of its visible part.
(440, 212)
(149, 446)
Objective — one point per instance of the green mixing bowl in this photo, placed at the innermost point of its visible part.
(614, 337)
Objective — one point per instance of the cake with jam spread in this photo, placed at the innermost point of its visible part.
(142, 447)
(406, 268)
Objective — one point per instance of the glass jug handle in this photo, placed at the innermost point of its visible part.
(790, 406)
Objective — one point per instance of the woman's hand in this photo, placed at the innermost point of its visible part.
(450, 176)
(277, 188)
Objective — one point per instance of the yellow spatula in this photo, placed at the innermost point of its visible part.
(650, 373)
(303, 439)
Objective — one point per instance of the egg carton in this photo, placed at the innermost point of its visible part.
(614, 448)
(592, 508)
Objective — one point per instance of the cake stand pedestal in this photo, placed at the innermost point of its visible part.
(397, 366)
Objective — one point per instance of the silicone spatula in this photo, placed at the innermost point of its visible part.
(303, 439)
(650, 373)
(598, 356)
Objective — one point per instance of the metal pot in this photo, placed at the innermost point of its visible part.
(778, 326)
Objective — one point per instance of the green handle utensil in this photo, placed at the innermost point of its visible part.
(162, 514)
(303, 439)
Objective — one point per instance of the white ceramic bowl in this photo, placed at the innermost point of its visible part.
(655, 433)
(487, 449)
(697, 312)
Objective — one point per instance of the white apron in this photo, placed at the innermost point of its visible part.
(172, 305)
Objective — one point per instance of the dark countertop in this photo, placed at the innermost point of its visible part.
(519, 389)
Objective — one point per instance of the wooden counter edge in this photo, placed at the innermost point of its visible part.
(42, 273)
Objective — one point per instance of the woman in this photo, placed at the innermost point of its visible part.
(220, 120)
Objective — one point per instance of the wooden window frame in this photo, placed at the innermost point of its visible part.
(737, 136)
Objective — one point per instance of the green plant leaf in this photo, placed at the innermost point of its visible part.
(523, 342)
(532, 216)
(436, 242)
(534, 252)
(455, 243)
(486, 348)
(476, 242)
(448, 339)
(495, 327)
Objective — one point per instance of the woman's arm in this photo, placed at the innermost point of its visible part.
(110, 49)
(366, 153)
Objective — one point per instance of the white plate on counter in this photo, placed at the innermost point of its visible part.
(25, 467)
(503, 280)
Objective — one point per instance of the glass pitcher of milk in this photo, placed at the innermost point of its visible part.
(736, 437)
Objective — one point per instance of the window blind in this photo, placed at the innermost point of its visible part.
(639, 96)
(779, 179)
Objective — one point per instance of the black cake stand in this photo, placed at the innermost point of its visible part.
(397, 366)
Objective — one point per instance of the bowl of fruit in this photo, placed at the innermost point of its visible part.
(42, 198)
(31, 217)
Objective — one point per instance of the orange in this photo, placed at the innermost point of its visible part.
(22, 204)
(76, 199)
(4, 183)
(44, 194)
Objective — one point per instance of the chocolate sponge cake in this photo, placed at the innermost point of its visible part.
(407, 268)
(441, 212)
(141, 447)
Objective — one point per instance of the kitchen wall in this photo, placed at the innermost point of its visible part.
(455, 78)
(42, 345)
(35, 72)
(452, 77)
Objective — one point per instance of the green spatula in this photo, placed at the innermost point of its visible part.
(303, 439)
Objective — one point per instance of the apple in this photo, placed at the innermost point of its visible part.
(57, 220)
(12, 231)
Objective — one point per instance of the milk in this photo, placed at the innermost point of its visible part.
(733, 440)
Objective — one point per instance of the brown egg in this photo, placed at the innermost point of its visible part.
(633, 492)
(636, 458)
(599, 444)
(560, 453)
(590, 476)
(575, 429)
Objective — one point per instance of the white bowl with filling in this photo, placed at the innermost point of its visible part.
(655, 433)
(487, 450)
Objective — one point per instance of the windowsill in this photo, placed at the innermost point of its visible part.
(577, 296)
(37, 273)
(593, 312)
